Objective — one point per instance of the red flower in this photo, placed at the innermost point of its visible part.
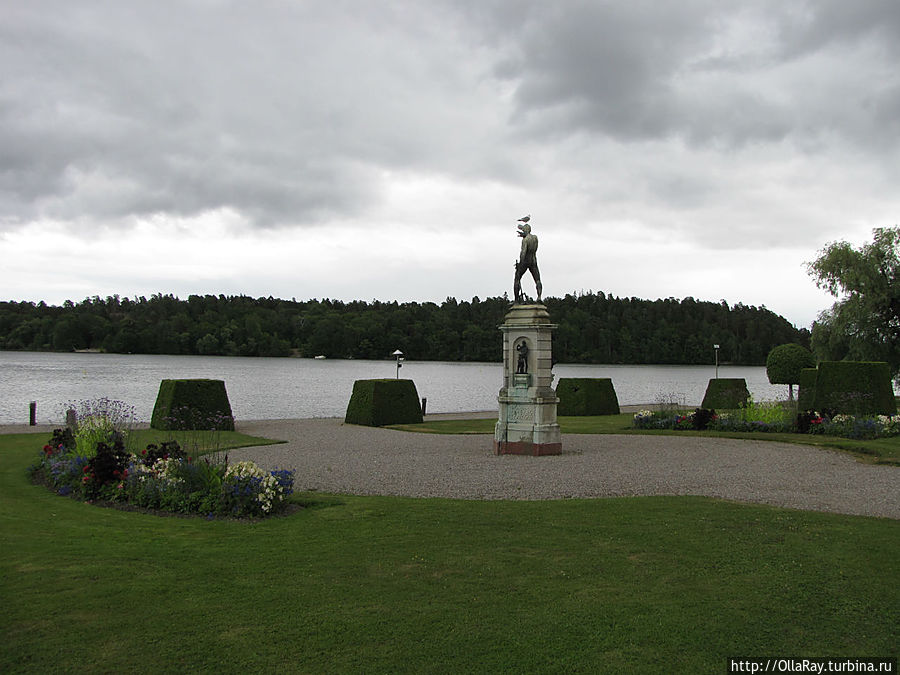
(86, 469)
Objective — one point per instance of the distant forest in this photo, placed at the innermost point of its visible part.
(592, 328)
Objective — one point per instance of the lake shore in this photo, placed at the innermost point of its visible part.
(286, 388)
(478, 414)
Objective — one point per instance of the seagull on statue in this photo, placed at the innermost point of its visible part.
(525, 219)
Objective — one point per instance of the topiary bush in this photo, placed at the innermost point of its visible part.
(727, 393)
(806, 394)
(854, 388)
(375, 403)
(586, 396)
(192, 404)
(786, 362)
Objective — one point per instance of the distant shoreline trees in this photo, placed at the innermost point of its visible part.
(592, 328)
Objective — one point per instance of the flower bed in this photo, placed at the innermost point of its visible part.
(162, 478)
(773, 418)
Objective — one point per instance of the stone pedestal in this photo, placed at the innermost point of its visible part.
(527, 422)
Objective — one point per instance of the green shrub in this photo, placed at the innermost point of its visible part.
(587, 396)
(806, 396)
(854, 388)
(785, 363)
(375, 403)
(192, 404)
(726, 393)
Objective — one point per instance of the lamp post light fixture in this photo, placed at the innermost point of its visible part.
(716, 347)
(399, 356)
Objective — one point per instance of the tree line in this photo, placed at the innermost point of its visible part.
(592, 328)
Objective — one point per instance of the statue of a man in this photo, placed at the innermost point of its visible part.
(522, 363)
(527, 261)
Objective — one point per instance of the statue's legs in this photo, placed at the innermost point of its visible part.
(517, 283)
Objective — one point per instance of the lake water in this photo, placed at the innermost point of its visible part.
(283, 388)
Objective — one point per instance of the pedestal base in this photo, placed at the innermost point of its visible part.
(526, 423)
(527, 448)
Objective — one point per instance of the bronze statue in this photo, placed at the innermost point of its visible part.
(527, 261)
(522, 364)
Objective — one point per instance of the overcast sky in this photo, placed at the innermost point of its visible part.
(384, 150)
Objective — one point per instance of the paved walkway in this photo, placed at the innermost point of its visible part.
(330, 456)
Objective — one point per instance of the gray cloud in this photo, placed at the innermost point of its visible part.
(296, 114)
(288, 113)
(709, 72)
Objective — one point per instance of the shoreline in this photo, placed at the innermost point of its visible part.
(476, 414)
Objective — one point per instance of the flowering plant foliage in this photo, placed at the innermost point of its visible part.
(251, 491)
(861, 428)
(773, 417)
(697, 420)
(107, 466)
(100, 420)
(172, 482)
(164, 450)
(646, 419)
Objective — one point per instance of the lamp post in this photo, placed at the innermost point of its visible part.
(399, 356)
(716, 347)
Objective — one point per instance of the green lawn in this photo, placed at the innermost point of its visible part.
(388, 585)
(879, 451)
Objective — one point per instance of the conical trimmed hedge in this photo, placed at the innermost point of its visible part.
(376, 403)
(586, 396)
(192, 404)
(727, 393)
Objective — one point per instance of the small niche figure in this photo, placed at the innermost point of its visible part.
(522, 365)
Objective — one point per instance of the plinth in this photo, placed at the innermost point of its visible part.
(527, 421)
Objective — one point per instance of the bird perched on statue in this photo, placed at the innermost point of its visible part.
(525, 219)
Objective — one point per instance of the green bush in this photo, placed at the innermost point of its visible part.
(587, 396)
(726, 393)
(854, 388)
(806, 396)
(375, 403)
(785, 363)
(192, 404)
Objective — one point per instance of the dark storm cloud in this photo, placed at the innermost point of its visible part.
(706, 71)
(298, 113)
(286, 112)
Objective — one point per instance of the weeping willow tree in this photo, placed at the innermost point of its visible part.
(864, 324)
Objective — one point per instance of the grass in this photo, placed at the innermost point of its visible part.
(383, 584)
(878, 451)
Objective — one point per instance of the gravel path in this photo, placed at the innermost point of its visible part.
(331, 456)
